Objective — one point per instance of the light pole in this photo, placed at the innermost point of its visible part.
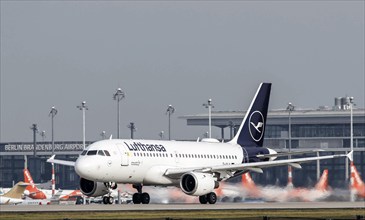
(231, 126)
(352, 193)
(52, 113)
(83, 107)
(290, 108)
(34, 128)
(170, 110)
(161, 134)
(351, 124)
(209, 106)
(103, 135)
(132, 127)
(43, 135)
(118, 95)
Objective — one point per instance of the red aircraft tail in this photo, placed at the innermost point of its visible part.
(322, 183)
(356, 184)
(250, 185)
(34, 192)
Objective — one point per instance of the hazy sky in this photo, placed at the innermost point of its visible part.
(59, 53)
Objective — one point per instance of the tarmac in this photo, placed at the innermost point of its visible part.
(168, 207)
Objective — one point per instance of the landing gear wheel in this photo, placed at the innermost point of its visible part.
(145, 198)
(105, 200)
(110, 199)
(212, 198)
(203, 199)
(137, 198)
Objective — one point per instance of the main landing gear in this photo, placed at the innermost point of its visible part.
(210, 198)
(140, 197)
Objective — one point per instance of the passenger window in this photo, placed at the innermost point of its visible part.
(101, 153)
(84, 152)
(107, 153)
(91, 152)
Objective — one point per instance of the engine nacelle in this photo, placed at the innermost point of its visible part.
(197, 184)
(91, 188)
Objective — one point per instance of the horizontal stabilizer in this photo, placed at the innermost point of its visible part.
(295, 165)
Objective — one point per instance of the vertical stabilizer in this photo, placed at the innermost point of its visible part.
(322, 184)
(357, 186)
(252, 129)
(17, 191)
(34, 192)
(290, 178)
(28, 179)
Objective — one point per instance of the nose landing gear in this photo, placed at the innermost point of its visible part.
(140, 197)
(108, 199)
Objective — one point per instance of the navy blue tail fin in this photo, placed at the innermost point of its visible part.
(252, 129)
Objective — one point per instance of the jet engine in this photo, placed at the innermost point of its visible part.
(198, 184)
(91, 188)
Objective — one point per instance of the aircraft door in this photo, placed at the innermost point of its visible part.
(124, 154)
(176, 157)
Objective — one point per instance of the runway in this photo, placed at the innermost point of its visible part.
(172, 207)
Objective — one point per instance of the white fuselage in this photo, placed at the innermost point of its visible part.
(4, 200)
(145, 161)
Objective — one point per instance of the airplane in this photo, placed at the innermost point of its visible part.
(14, 195)
(195, 167)
(46, 196)
(289, 193)
(357, 186)
(32, 190)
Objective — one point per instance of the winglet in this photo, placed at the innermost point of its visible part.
(63, 162)
(350, 155)
(51, 158)
(111, 137)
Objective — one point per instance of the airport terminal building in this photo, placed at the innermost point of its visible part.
(327, 129)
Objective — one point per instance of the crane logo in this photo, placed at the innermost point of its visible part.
(256, 126)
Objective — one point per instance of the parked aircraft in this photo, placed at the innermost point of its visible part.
(46, 196)
(284, 194)
(357, 186)
(32, 190)
(195, 167)
(14, 195)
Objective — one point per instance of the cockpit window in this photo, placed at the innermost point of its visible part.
(107, 153)
(101, 153)
(84, 152)
(91, 152)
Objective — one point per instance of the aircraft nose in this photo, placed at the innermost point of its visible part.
(83, 167)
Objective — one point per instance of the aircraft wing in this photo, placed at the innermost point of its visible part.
(284, 154)
(62, 162)
(256, 166)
